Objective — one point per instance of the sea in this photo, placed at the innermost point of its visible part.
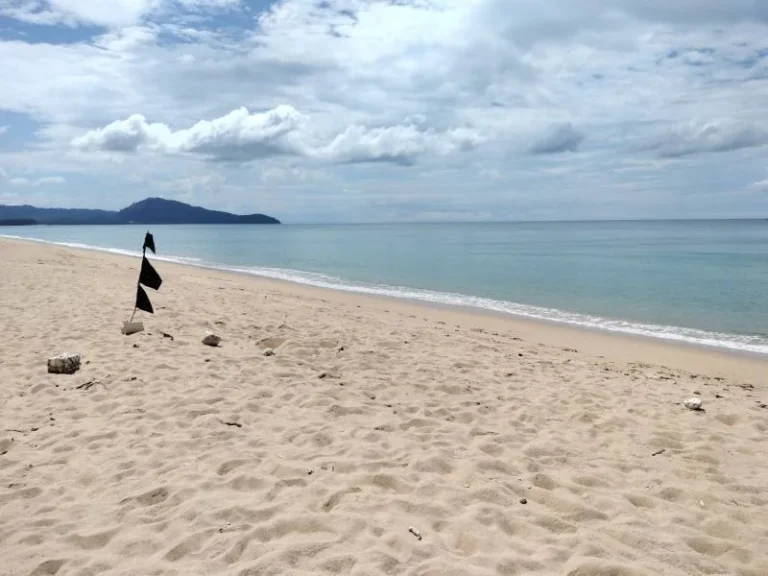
(700, 282)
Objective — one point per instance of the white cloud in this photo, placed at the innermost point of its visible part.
(3, 129)
(107, 13)
(44, 181)
(241, 136)
(203, 4)
(29, 182)
(237, 136)
(401, 144)
(110, 13)
(698, 11)
(701, 137)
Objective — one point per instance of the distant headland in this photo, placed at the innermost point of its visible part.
(148, 211)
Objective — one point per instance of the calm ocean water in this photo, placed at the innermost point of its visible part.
(704, 282)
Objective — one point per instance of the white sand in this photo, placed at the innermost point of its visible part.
(372, 417)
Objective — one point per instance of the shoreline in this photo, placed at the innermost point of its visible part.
(596, 341)
(675, 335)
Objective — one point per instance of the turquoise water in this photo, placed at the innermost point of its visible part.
(699, 281)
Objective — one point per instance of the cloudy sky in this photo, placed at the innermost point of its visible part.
(381, 110)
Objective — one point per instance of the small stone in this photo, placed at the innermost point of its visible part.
(693, 404)
(269, 352)
(523, 501)
(211, 339)
(64, 364)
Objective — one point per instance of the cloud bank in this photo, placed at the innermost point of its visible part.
(529, 109)
(242, 136)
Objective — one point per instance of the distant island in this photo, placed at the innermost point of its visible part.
(18, 222)
(149, 211)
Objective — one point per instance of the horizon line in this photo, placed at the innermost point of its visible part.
(565, 221)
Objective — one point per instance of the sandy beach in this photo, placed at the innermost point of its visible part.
(333, 433)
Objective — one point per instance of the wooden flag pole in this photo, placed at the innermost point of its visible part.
(143, 254)
(129, 327)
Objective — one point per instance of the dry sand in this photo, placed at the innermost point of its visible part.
(370, 418)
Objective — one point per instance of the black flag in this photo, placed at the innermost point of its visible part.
(149, 276)
(142, 301)
(149, 242)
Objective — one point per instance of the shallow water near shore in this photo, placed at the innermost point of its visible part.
(702, 282)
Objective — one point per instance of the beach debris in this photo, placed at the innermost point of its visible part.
(310, 471)
(659, 452)
(693, 404)
(88, 385)
(132, 328)
(415, 532)
(236, 424)
(166, 335)
(64, 364)
(269, 352)
(211, 339)
(523, 501)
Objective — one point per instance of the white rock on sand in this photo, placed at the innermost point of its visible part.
(64, 364)
(693, 403)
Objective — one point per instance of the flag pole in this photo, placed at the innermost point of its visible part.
(143, 254)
